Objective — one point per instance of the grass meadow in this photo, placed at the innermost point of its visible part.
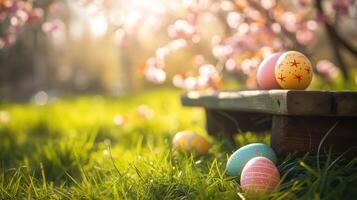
(71, 148)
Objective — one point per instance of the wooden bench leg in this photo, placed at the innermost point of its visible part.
(222, 123)
(303, 134)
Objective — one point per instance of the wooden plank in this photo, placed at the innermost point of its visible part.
(220, 123)
(345, 103)
(299, 102)
(278, 102)
(248, 101)
(303, 134)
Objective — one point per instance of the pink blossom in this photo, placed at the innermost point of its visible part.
(119, 120)
(190, 83)
(290, 21)
(276, 27)
(231, 65)
(56, 7)
(266, 51)
(10, 6)
(153, 70)
(196, 38)
(178, 81)
(227, 5)
(177, 44)
(145, 112)
(199, 60)
(162, 52)
(208, 70)
(216, 40)
(234, 19)
(252, 13)
(304, 2)
(267, 4)
(155, 75)
(19, 19)
(155, 62)
(181, 29)
(321, 17)
(120, 36)
(342, 5)
(305, 36)
(243, 29)
(249, 66)
(202, 81)
(35, 15)
(312, 25)
(208, 77)
(222, 52)
(52, 26)
(327, 69)
(191, 18)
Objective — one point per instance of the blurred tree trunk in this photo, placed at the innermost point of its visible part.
(40, 63)
(127, 66)
(337, 42)
(3, 74)
(125, 69)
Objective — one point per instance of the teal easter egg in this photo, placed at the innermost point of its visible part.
(239, 158)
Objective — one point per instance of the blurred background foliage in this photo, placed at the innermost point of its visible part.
(116, 47)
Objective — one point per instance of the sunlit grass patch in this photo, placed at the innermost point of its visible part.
(71, 148)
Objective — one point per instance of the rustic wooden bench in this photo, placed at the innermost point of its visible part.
(297, 120)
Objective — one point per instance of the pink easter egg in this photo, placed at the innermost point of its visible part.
(259, 176)
(266, 72)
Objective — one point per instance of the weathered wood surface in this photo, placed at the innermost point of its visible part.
(278, 102)
(304, 134)
(346, 103)
(298, 120)
(221, 123)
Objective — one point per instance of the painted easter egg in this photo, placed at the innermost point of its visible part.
(259, 176)
(240, 157)
(293, 70)
(191, 141)
(266, 72)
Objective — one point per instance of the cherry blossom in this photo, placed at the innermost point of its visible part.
(119, 120)
(14, 15)
(52, 26)
(327, 69)
(145, 112)
(248, 31)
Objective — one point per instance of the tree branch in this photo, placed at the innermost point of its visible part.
(288, 35)
(333, 30)
(343, 42)
(335, 39)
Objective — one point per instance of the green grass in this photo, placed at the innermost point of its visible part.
(71, 149)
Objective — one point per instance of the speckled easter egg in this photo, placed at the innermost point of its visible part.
(259, 176)
(191, 141)
(266, 72)
(240, 157)
(293, 71)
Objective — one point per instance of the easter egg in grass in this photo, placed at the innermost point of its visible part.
(239, 158)
(188, 141)
(259, 176)
(266, 72)
(293, 70)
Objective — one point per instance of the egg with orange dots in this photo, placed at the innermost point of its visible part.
(293, 70)
(190, 141)
(259, 177)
